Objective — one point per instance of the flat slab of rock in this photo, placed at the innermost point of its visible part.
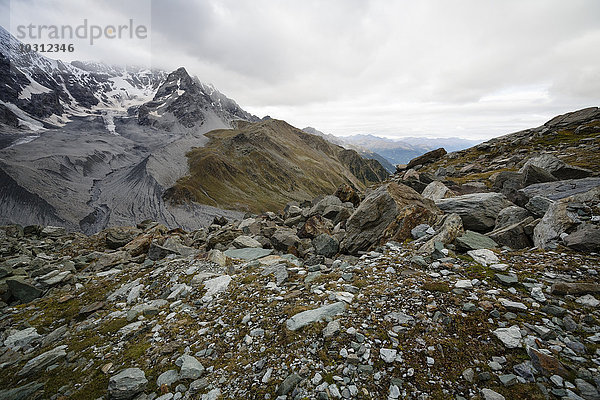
(248, 254)
(215, 286)
(560, 189)
(575, 288)
(21, 339)
(484, 257)
(474, 241)
(43, 361)
(308, 317)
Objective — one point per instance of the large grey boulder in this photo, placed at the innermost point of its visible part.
(451, 228)
(510, 215)
(586, 238)
(326, 245)
(436, 190)
(387, 213)
(304, 318)
(284, 238)
(538, 205)
(427, 158)
(516, 235)
(533, 174)
(126, 384)
(478, 211)
(560, 189)
(327, 201)
(22, 290)
(564, 216)
(558, 168)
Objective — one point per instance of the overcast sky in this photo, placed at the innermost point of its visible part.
(471, 68)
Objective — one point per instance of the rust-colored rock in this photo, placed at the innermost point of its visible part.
(347, 193)
(576, 288)
(314, 226)
(547, 365)
(139, 245)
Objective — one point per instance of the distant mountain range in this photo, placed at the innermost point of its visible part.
(86, 146)
(395, 151)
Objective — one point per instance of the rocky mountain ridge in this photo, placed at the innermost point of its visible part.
(114, 146)
(261, 166)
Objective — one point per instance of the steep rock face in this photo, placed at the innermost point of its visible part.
(183, 101)
(45, 93)
(98, 166)
(387, 213)
(266, 164)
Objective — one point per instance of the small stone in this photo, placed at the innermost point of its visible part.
(167, 378)
(587, 390)
(499, 267)
(537, 294)
(557, 380)
(43, 361)
(484, 257)
(288, 384)
(191, 368)
(304, 318)
(553, 310)
(546, 364)
(513, 305)
(388, 355)
(331, 329)
(508, 379)
(507, 280)
(489, 394)
(510, 337)
(588, 300)
(215, 286)
(463, 284)
(469, 375)
(495, 366)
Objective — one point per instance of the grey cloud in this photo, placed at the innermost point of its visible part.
(474, 68)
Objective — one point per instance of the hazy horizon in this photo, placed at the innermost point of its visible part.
(472, 69)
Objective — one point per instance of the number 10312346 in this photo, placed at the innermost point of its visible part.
(47, 47)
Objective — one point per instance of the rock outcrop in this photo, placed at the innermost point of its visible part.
(387, 213)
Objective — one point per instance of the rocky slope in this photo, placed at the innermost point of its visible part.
(272, 307)
(263, 165)
(538, 187)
